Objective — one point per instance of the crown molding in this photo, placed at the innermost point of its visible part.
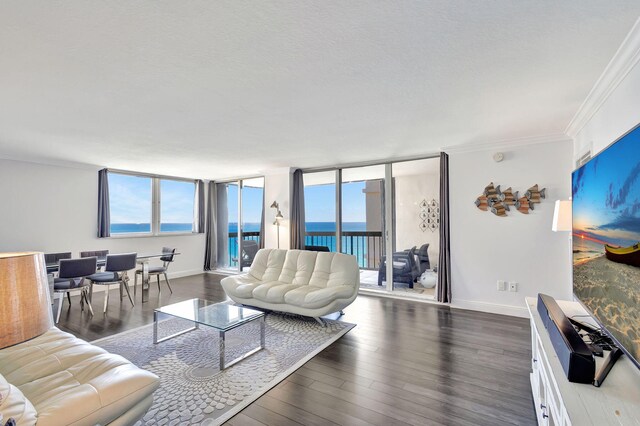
(625, 58)
(507, 143)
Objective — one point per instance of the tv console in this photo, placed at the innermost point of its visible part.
(560, 402)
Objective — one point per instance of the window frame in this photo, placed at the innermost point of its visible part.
(155, 207)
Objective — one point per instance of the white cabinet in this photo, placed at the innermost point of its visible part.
(560, 402)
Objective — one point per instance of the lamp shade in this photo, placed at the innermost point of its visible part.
(562, 216)
(25, 303)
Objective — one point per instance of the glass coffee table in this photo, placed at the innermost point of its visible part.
(221, 316)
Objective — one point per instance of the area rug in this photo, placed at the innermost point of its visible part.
(193, 390)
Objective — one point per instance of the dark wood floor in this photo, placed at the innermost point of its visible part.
(404, 363)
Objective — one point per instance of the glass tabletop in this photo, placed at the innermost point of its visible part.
(217, 315)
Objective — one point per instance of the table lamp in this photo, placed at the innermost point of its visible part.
(25, 304)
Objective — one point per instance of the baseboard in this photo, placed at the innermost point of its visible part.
(172, 275)
(493, 308)
(187, 273)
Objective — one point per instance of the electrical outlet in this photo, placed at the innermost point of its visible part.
(513, 286)
(502, 285)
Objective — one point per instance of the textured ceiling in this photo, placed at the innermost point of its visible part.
(225, 88)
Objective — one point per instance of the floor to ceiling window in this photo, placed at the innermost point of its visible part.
(239, 202)
(371, 210)
(362, 193)
(416, 237)
(320, 210)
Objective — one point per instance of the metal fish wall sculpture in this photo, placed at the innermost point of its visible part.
(498, 202)
(523, 205)
(534, 195)
(481, 203)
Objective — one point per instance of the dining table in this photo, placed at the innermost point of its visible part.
(142, 259)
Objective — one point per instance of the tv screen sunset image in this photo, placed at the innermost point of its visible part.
(606, 239)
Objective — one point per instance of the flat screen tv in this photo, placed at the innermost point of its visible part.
(606, 240)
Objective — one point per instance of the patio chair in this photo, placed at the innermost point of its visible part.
(249, 250)
(423, 258)
(405, 267)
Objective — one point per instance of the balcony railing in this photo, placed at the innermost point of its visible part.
(233, 244)
(366, 246)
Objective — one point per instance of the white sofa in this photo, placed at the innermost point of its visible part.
(58, 379)
(301, 282)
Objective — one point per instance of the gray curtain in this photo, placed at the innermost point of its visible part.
(199, 208)
(211, 230)
(444, 263)
(104, 218)
(297, 212)
(262, 229)
(222, 223)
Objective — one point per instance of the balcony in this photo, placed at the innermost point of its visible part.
(366, 246)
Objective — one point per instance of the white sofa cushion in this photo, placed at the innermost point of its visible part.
(13, 404)
(267, 265)
(315, 297)
(242, 285)
(72, 382)
(298, 267)
(273, 292)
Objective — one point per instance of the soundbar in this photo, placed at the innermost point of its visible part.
(576, 358)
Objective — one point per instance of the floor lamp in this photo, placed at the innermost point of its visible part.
(276, 222)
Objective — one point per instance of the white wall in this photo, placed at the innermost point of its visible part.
(54, 209)
(522, 248)
(277, 187)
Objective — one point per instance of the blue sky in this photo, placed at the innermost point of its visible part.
(320, 203)
(251, 203)
(130, 200)
(606, 194)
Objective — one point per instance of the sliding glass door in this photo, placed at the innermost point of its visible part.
(373, 210)
(416, 216)
(251, 214)
(362, 193)
(320, 211)
(239, 226)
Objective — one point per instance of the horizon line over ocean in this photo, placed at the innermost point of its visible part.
(122, 228)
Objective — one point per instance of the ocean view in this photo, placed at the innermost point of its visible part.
(125, 228)
(356, 245)
(131, 228)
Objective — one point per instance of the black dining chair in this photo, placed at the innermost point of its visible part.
(71, 277)
(52, 259)
(157, 270)
(100, 254)
(115, 272)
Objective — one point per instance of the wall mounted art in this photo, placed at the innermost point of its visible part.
(429, 215)
(498, 202)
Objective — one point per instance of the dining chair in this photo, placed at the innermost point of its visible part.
(115, 272)
(53, 258)
(71, 276)
(100, 254)
(169, 254)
